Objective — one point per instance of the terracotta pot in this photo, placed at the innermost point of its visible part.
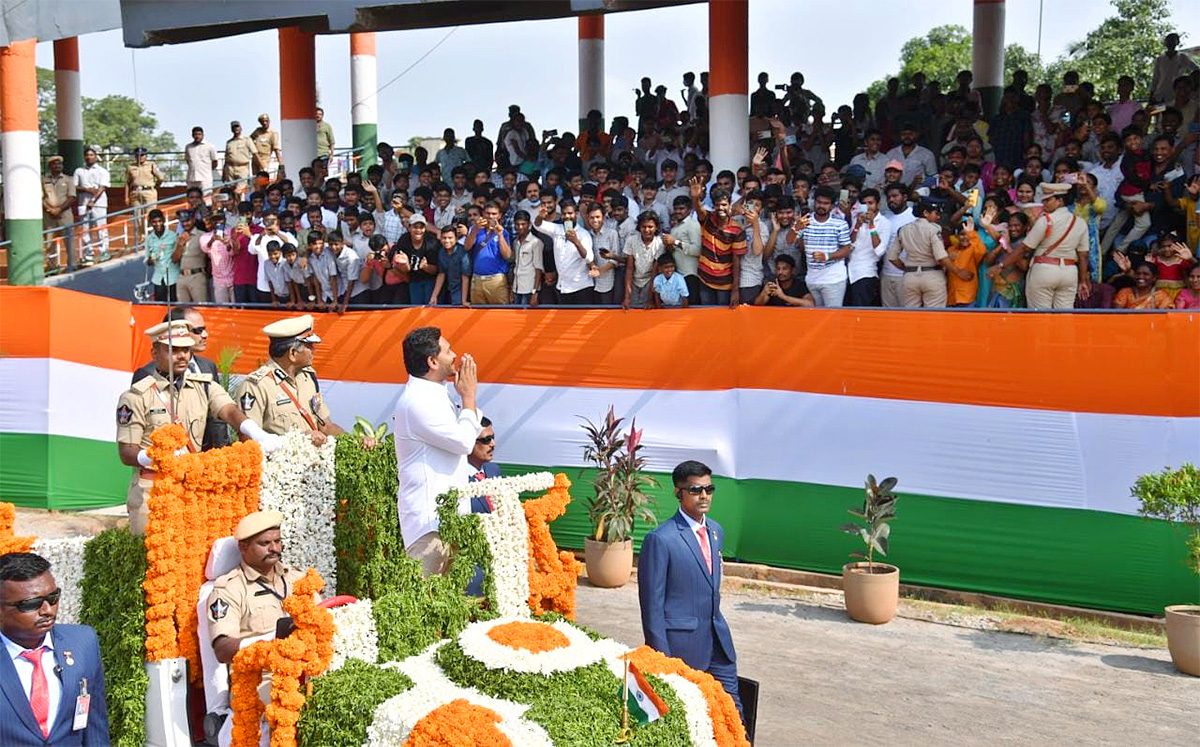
(609, 564)
(871, 597)
(1183, 637)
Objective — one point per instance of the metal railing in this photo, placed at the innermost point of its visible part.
(117, 232)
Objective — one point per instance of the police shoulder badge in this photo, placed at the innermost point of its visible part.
(247, 401)
(124, 415)
(218, 609)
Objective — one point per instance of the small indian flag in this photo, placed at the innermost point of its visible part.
(644, 704)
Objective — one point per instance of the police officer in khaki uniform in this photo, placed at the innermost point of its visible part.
(284, 394)
(239, 151)
(926, 261)
(58, 199)
(192, 286)
(1059, 243)
(266, 142)
(142, 180)
(246, 604)
(171, 394)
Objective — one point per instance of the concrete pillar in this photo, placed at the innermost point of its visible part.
(987, 54)
(591, 66)
(728, 81)
(67, 103)
(22, 163)
(364, 101)
(297, 98)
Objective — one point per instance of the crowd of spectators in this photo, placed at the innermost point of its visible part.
(632, 214)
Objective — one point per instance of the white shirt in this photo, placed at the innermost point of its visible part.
(1108, 178)
(200, 157)
(258, 247)
(25, 671)
(432, 444)
(864, 257)
(96, 180)
(898, 222)
(572, 268)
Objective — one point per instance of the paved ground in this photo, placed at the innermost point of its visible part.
(827, 680)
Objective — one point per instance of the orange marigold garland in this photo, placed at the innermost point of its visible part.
(553, 574)
(306, 652)
(458, 723)
(728, 730)
(196, 499)
(530, 636)
(8, 542)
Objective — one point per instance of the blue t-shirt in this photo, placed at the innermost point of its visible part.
(454, 265)
(486, 252)
(671, 290)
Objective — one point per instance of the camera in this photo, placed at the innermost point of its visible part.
(549, 133)
(781, 87)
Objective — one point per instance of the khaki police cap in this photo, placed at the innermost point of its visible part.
(299, 328)
(52, 159)
(177, 334)
(1055, 189)
(259, 521)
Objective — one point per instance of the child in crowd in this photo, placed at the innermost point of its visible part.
(297, 275)
(669, 288)
(966, 252)
(1172, 260)
(277, 274)
(642, 251)
(1189, 297)
(1137, 171)
(349, 265)
(323, 273)
(453, 282)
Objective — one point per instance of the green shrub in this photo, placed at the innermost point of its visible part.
(114, 569)
(370, 550)
(343, 704)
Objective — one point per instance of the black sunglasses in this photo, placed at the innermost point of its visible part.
(698, 489)
(199, 330)
(35, 604)
(485, 439)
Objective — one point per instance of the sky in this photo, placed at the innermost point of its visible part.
(477, 71)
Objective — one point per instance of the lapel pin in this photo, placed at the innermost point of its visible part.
(69, 658)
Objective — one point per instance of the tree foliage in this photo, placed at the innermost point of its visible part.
(112, 123)
(1123, 44)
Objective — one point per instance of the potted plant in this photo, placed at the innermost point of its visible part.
(872, 589)
(1173, 495)
(619, 501)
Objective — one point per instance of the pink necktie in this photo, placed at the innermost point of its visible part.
(703, 535)
(39, 693)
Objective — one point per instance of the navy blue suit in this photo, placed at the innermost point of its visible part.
(681, 601)
(19, 728)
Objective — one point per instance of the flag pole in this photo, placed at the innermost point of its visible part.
(625, 734)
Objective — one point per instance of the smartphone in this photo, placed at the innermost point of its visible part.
(844, 196)
(764, 134)
(1070, 178)
(568, 225)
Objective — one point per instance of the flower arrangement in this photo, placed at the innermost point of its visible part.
(553, 574)
(727, 725)
(354, 635)
(66, 561)
(9, 543)
(459, 722)
(508, 545)
(529, 647)
(307, 651)
(620, 489)
(298, 481)
(197, 498)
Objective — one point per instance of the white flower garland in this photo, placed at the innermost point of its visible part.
(507, 535)
(699, 721)
(354, 634)
(581, 651)
(526, 483)
(298, 480)
(395, 718)
(66, 564)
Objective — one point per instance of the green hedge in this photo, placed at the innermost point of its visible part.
(366, 537)
(343, 704)
(114, 569)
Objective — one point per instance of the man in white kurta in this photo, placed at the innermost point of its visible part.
(433, 439)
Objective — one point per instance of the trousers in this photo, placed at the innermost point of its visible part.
(891, 291)
(1051, 286)
(925, 289)
(725, 671)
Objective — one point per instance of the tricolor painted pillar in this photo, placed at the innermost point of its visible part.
(364, 101)
(297, 98)
(591, 66)
(67, 103)
(22, 162)
(987, 54)
(728, 81)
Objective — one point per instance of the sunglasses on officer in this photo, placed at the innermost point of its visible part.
(482, 440)
(698, 489)
(34, 604)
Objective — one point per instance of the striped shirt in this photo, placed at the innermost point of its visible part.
(718, 245)
(826, 238)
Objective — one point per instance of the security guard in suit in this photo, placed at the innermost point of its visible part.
(284, 394)
(171, 394)
(142, 180)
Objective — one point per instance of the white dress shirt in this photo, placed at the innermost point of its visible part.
(258, 247)
(432, 444)
(25, 671)
(864, 256)
(572, 268)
